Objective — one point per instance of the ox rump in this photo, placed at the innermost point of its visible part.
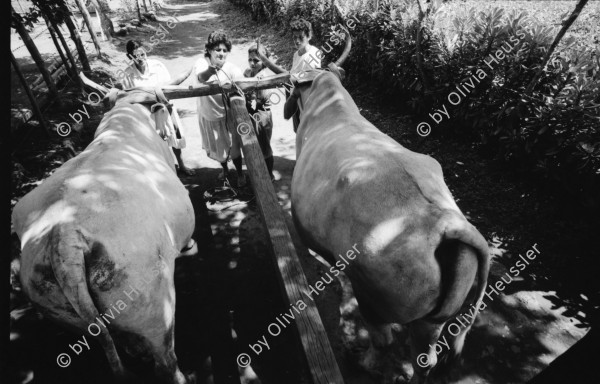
(98, 227)
(421, 260)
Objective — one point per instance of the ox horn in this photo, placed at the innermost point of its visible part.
(348, 45)
(346, 51)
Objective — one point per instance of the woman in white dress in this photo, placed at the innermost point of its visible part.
(145, 72)
(220, 139)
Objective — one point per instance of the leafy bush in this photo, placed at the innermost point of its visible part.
(554, 129)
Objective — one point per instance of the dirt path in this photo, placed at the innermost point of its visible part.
(517, 335)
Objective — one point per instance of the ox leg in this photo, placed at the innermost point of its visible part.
(380, 339)
(165, 361)
(423, 338)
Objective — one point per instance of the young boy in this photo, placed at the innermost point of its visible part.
(306, 57)
(144, 72)
(259, 105)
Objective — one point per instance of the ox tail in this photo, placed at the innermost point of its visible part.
(67, 257)
(464, 256)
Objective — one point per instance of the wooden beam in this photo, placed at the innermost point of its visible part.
(177, 92)
(319, 354)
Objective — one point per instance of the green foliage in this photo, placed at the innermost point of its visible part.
(553, 130)
(55, 10)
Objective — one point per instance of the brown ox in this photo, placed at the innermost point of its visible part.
(99, 240)
(419, 256)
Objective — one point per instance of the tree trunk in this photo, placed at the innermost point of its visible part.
(104, 7)
(67, 50)
(88, 21)
(565, 26)
(69, 63)
(139, 10)
(57, 45)
(32, 100)
(105, 22)
(145, 6)
(100, 22)
(76, 37)
(35, 54)
(424, 78)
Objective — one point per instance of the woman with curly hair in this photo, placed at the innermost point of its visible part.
(220, 139)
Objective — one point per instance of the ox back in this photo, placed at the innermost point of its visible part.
(419, 257)
(99, 238)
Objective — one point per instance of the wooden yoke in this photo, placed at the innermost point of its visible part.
(178, 92)
(319, 354)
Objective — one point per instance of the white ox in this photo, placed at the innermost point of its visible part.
(419, 256)
(99, 239)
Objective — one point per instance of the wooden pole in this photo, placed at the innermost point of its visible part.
(32, 100)
(319, 354)
(56, 43)
(100, 23)
(139, 10)
(88, 22)
(68, 52)
(76, 37)
(105, 22)
(33, 51)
